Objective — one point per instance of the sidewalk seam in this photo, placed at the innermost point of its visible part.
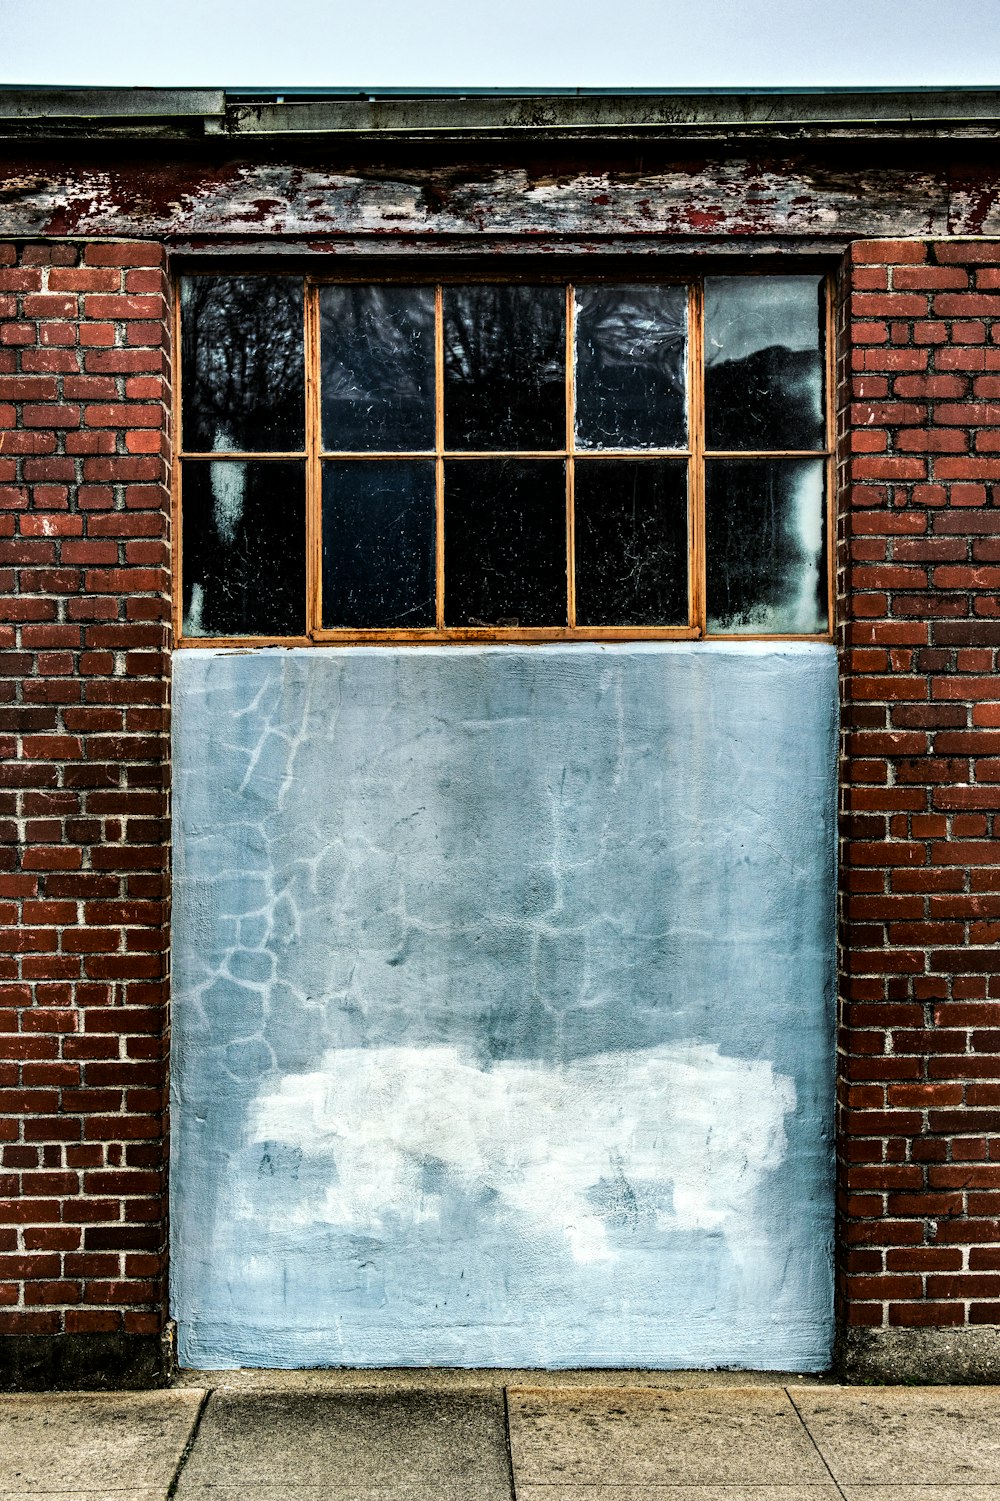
(186, 1451)
(507, 1443)
(819, 1451)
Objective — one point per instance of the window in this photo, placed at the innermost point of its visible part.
(473, 459)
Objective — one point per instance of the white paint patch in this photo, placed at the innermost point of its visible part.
(680, 1133)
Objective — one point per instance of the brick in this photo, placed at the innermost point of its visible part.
(121, 253)
(125, 414)
(888, 252)
(97, 335)
(119, 308)
(50, 416)
(967, 305)
(80, 279)
(926, 278)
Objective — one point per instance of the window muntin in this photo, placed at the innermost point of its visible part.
(488, 459)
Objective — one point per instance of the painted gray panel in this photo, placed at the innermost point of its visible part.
(503, 1020)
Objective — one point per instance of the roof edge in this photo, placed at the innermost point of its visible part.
(41, 113)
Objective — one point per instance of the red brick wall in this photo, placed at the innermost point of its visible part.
(84, 539)
(84, 574)
(919, 1123)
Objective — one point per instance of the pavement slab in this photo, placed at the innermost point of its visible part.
(678, 1493)
(157, 1494)
(922, 1493)
(917, 1438)
(94, 1444)
(350, 1446)
(740, 1437)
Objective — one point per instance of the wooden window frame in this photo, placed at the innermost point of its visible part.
(696, 455)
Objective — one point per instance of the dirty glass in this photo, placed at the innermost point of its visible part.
(631, 367)
(504, 367)
(631, 542)
(765, 545)
(244, 548)
(505, 542)
(377, 367)
(763, 367)
(242, 366)
(378, 543)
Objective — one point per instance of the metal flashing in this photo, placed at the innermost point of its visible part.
(717, 114)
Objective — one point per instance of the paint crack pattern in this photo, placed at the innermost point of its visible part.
(502, 1005)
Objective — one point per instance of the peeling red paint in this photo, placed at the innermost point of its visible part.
(568, 195)
(705, 218)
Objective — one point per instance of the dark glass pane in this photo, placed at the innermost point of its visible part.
(378, 543)
(631, 367)
(504, 367)
(631, 542)
(244, 531)
(763, 365)
(505, 542)
(377, 367)
(242, 368)
(765, 545)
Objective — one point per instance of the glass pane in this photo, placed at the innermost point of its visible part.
(242, 368)
(763, 367)
(631, 367)
(765, 545)
(378, 543)
(377, 348)
(244, 540)
(504, 367)
(505, 542)
(631, 542)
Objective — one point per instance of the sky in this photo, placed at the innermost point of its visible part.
(501, 43)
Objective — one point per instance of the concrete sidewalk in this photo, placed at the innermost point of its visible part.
(480, 1436)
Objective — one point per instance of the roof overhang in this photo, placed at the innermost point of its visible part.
(720, 115)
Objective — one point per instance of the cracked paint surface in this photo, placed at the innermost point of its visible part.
(718, 198)
(503, 1023)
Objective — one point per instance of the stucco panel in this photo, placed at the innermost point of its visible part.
(503, 1021)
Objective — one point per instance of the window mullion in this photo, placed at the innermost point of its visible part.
(570, 458)
(439, 456)
(314, 477)
(830, 512)
(696, 462)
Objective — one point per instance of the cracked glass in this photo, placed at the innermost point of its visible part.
(631, 366)
(377, 367)
(631, 542)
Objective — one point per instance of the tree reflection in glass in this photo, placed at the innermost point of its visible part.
(504, 367)
(377, 355)
(242, 364)
(244, 548)
(631, 366)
